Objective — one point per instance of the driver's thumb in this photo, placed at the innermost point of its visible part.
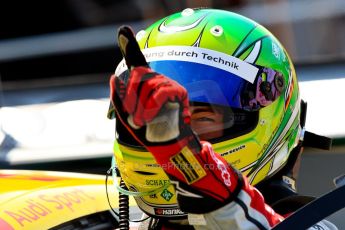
(130, 48)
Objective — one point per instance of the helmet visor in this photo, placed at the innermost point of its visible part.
(239, 88)
(211, 85)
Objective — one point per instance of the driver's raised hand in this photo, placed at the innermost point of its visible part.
(146, 93)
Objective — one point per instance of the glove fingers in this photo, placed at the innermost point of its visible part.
(158, 99)
(130, 48)
(147, 89)
(139, 76)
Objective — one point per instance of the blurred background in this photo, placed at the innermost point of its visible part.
(56, 58)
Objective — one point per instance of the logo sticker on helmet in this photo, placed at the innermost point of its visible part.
(198, 55)
(238, 148)
(166, 194)
(275, 51)
(168, 212)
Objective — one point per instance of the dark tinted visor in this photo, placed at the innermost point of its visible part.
(210, 85)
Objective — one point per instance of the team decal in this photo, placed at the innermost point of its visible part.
(159, 209)
(188, 165)
(167, 195)
(153, 165)
(199, 55)
(238, 148)
(159, 183)
(275, 50)
(168, 212)
(43, 206)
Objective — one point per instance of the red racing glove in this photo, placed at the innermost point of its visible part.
(203, 180)
(147, 92)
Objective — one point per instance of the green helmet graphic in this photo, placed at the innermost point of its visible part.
(227, 60)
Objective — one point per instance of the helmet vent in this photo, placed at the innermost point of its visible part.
(217, 31)
(187, 12)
